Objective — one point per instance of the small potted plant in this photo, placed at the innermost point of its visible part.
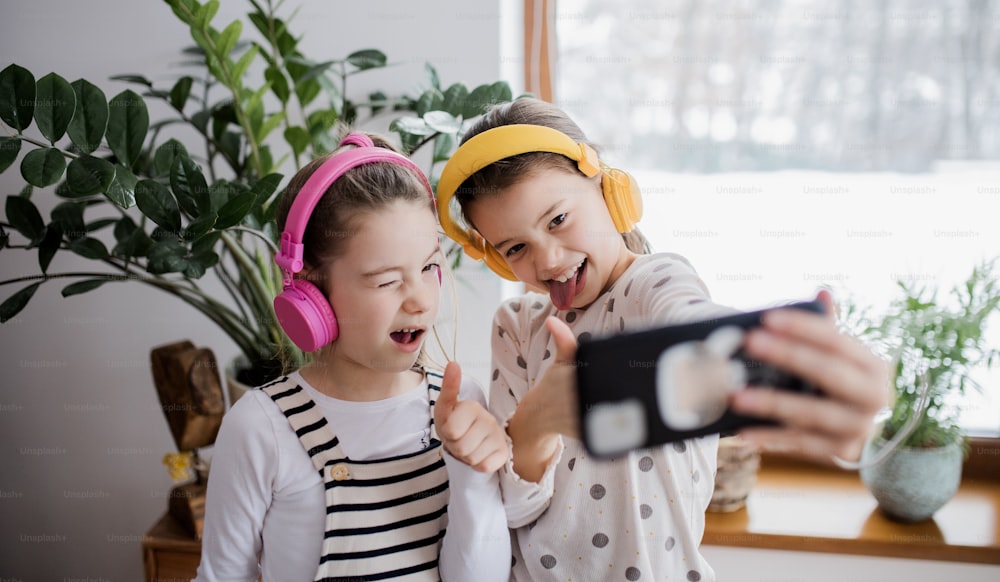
(143, 207)
(936, 343)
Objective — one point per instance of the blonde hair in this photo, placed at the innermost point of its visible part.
(508, 172)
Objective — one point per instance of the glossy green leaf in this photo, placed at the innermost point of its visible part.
(307, 91)
(90, 248)
(49, 246)
(196, 265)
(16, 302)
(132, 240)
(101, 223)
(478, 101)
(429, 100)
(233, 211)
(241, 66)
(163, 158)
(222, 192)
(157, 203)
(501, 92)
(166, 256)
(137, 79)
(316, 70)
(122, 188)
(367, 59)
(442, 121)
(321, 121)
(454, 99)
(199, 226)
(63, 190)
(200, 120)
(443, 146)
(43, 167)
(89, 175)
(228, 37)
(298, 138)
(411, 125)
(260, 20)
(180, 92)
(229, 146)
(82, 287)
(204, 14)
(432, 76)
(90, 120)
(17, 97)
(206, 243)
(55, 103)
(10, 147)
(270, 124)
(409, 141)
(279, 83)
(187, 181)
(378, 101)
(25, 218)
(127, 126)
(69, 217)
(265, 189)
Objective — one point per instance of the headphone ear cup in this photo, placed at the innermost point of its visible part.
(622, 196)
(497, 264)
(306, 315)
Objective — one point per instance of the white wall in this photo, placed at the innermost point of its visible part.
(80, 424)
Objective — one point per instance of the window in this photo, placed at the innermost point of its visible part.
(785, 145)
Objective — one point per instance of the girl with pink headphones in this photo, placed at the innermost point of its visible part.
(337, 471)
(538, 206)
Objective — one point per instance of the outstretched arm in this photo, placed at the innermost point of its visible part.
(853, 380)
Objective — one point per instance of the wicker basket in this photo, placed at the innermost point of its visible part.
(736, 474)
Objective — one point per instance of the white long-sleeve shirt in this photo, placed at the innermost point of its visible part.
(265, 502)
(638, 517)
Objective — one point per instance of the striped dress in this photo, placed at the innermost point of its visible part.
(385, 518)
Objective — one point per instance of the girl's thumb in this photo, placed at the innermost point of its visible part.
(564, 338)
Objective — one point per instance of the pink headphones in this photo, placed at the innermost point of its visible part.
(301, 308)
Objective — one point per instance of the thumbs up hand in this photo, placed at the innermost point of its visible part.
(551, 404)
(467, 430)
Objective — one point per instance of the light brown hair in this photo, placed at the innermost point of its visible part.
(361, 190)
(508, 172)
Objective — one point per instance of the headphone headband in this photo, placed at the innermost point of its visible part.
(289, 258)
(492, 146)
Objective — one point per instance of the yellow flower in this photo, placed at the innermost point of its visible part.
(178, 465)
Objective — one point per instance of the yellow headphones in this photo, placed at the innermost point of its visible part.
(621, 193)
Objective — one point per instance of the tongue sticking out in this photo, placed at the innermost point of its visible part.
(562, 294)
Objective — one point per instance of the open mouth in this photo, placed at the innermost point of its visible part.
(563, 289)
(407, 336)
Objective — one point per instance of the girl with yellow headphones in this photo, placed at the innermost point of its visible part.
(533, 200)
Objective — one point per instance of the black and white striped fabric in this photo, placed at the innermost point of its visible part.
(385, 518)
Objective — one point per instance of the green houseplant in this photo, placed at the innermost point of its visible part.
(169, 202)
(936, 344)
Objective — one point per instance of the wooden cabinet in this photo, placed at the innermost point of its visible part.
(170, 553)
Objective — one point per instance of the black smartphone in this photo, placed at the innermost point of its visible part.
(672, 383)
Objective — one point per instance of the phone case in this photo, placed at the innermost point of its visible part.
(671, 383)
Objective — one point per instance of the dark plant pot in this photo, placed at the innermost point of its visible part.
(238, 372)
(913, 483)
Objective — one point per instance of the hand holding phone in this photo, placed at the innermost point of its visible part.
(672, 383)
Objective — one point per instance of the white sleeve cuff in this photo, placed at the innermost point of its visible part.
(526, 500)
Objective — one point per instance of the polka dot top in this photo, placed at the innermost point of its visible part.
(638, 517)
